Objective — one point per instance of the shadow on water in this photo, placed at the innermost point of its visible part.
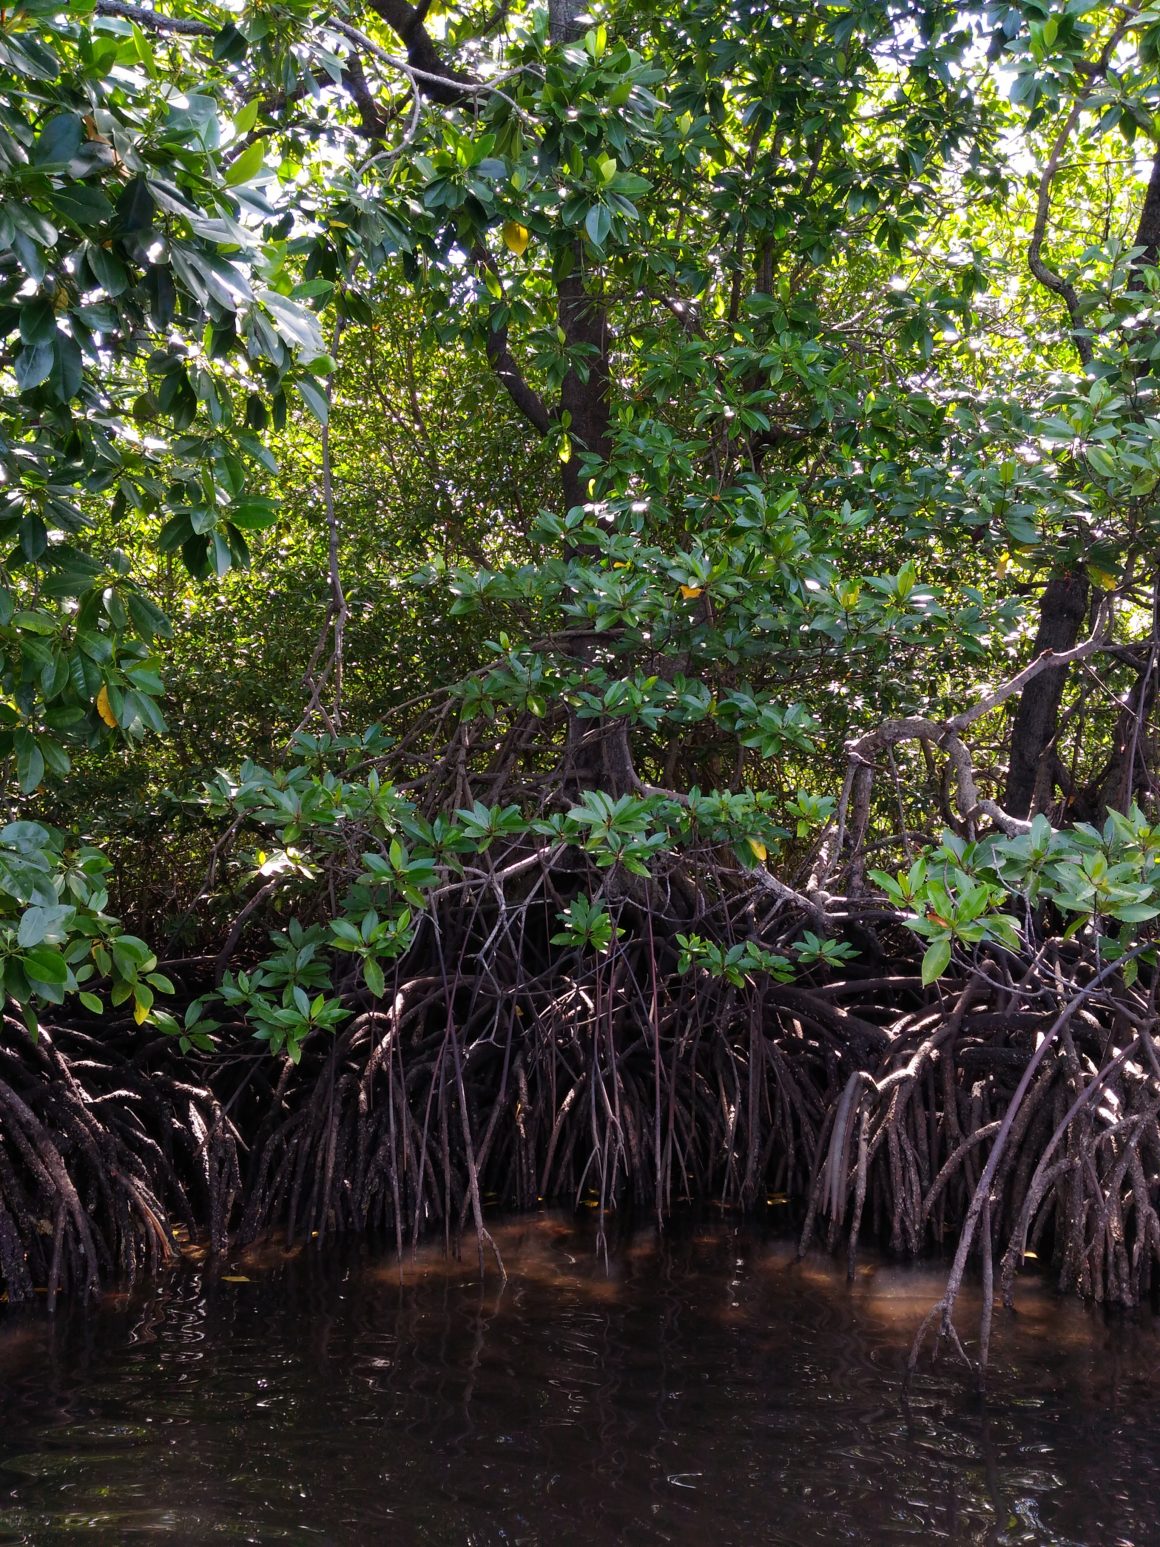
(702, 1389)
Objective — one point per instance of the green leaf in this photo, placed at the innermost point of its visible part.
(108, 270)
(67, 371)
(598, 223)
(229, 47)
(373, 974)
(247, 165)
(38, 322)
(58, 142)
(44, 965)
(246, 117)
(29, 761)
(37, 923)
(936, 961)
(315, 398)
(135, 209)
(33, 366)
(254, 513)
(1135, 912)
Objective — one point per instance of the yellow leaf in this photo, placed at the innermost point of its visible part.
(140, 1011)
(621, 564)
(234, 1278)
(1102, 577)
(690, 592)
(105, 708)
(759, 849)
(515, 237)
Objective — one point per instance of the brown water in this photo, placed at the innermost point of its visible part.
(706, 1389)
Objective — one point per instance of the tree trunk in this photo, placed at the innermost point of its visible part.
(564, 25)
(1062, 610)
(598, 754)
(1063, 607)
(584, 391)
(1148, 230)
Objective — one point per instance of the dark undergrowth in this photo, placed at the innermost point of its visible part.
(1012, 1109)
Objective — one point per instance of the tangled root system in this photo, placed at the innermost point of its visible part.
(101, 1155)
(1011, 1113)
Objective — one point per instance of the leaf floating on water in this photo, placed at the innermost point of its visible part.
(234, 1278)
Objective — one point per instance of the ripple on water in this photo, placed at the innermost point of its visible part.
(706, 1388)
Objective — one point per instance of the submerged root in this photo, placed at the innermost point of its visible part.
(100, 1155)
(541, 1090)
(1010, 1116)
(1011, 1134)
(972, 1121)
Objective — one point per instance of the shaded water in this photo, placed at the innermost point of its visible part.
(704, 1389)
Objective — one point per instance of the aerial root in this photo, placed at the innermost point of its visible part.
(1040, 1139)
(100, 1156)
(975, 1121)
(1006, 1118)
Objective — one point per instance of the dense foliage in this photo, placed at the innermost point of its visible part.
(590, 506)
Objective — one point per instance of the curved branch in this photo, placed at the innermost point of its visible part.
(154, 21)
(503, 362)
(440, 82)
(946, 734)
(1045, 275)
(1048, 660)
(916, 728)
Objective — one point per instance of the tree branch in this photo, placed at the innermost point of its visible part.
(1045, 275)
(503, 362)
(946, 735)
(1049, 660)
(146, 16)
(440, 82)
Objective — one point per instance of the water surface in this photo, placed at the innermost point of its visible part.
(704, 1388)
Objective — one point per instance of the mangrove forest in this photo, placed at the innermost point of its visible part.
(580, 628)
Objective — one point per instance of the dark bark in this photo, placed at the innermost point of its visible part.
(598, 755)
(584, 391)
(564, 25)
(439, 81)
(508, 373)
(1148, 230)
(1062, 610)
(598, 752)
(583, 320)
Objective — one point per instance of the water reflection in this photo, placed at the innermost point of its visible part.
(704, 1388)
